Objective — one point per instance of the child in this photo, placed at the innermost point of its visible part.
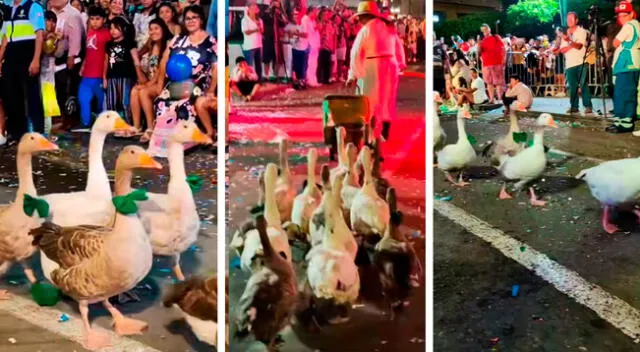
(92, 70)
(121, 60)
(48, 70)
(244, 80)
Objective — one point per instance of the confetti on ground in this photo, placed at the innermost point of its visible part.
(63, 318)
(515, 289)
(523, 248)
(12, 340)
(235, 262)
(444, 198)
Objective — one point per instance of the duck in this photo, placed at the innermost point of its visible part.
(171, 219)
(270, 296)
(306, 202)
(613, 183)
(382, 184)
(456, 157)
(285, 191)
(196, 299)
(332, 275)
(396, 261)
(98, 262)
(15, 223)
(317, 223)
(369, 212)
(351, 185)
(529, 164)
(439, 135)
(248, 243)
(507, 144)
(343, 159)
(93, 205)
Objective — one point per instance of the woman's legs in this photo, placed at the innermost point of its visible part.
(147, 95)
(136, 108)
(203, 106)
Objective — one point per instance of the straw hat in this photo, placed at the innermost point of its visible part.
(369, 7)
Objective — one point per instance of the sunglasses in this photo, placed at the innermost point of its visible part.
(191, 18)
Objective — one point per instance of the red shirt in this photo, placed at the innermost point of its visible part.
(492, 50)
(465, 47)
(96, 51)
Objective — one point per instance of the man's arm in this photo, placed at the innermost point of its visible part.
(36, 17)
(75, 28)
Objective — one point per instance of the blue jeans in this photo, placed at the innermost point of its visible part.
(300, 62)
(625, 96)
(89, 88)
(254, 56)
(573, 74)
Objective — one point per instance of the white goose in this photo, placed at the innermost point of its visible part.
(343, 159)
(248, 244)
(614, 183)
(306, 202)
(529, 164)
(506, 145)
(285, 191)
(172, 219)
(351, 184)
(93, 205)
(457, 156)
(318, 219)
(15, 242)
(369, 213)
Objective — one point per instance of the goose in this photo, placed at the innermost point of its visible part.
(332, 275)
(15, 243)
(285, 191)
(351, 184)
(93, 205)
(369, 213)
(529, 163)
(248, 244)
(317, 223)
(268, 300)
(382, 184)
(196, 299)
(172, 219)
(343, 159)
(613, 183)
(394, 257)
(99, 262)
(306, 202)
(506, 145)
(439, 136)
(457, 156)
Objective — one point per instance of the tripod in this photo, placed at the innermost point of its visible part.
(601, 64)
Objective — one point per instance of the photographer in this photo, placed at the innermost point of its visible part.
(273, 19)
(626, 70)
(573, 46)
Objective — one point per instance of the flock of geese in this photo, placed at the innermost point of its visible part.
(95, 245)
(614, 184)
(351, 219)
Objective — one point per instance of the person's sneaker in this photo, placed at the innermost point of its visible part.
(636, 133)
(573, 111)
(618, 130)
(3, 139)
(588, 111)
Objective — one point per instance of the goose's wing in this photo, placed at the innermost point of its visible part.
(69, 246)
(193, 298)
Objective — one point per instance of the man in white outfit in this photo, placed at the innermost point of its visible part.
(313, 36)
(376, 62)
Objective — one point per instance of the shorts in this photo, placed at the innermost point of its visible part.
(493, 75)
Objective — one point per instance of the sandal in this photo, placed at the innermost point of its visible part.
(128, 134)
(146, 137)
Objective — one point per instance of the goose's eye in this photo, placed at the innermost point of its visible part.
(132, 152)
(184, 126)
(33, 138)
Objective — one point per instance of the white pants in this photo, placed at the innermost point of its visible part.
(312, 69)
(380, 85)
(287, 56)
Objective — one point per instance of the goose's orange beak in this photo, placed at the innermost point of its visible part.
(552, 123)
(466, 114)
(147, 162)
(47, 145)
(121, 125)
(200, 137)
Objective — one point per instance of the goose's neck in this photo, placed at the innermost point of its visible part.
(123, 180)
(271, 206)
(342, 152)
(513, 123)
(123, 223)
(25, 177)
(176, 162)
(97, 179)
(284, 164)
(311, 176)
(462, 134)
(538, 137)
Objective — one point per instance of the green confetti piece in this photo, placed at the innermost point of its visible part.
(519, 137)
(32, 204)
(472, 140)
(523, 248)
(195, 183)
(126, 205)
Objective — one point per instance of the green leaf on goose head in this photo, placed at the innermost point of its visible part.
(519, 137)
(126, 205)
(195, 183)
(472, 140)
(530, 143)
(33, 204)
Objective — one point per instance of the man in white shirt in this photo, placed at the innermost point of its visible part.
(252, 29)
(574, 46)
(478, 88)
(517, 91)
(313, 37)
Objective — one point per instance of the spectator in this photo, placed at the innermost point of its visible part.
(106, 5)
(439, 58)
(116, 9)
(169, 15)
(478, 89)
(273, 19)
(626, 70)
(93, 67)
(517, 91)
(122, 62)
(313, 36)
(300, 51)
(288, 39)
(21, 66)
(574, 48)
(328, 37)
(252, 29)
(244, 80)
(141, 21)
(79, 5)
(52, 47)
(341, 47)
(492, 53)
(149, 87)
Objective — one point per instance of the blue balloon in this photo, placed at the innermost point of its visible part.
(179, 68)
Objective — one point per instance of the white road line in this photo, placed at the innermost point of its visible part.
(47, 318)
(609, 307)
(562, 152)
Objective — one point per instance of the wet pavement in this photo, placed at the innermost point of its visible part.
(66, 171)
(254, 129)
(473, 283)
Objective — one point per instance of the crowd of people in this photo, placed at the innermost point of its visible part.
(69, 60)
(309, 46)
